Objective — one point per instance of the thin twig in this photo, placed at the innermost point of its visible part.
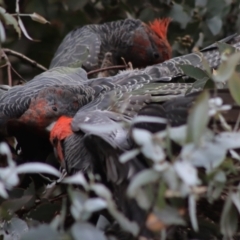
(107, 68)
(17, 74)
(8, 64)
(20, 55)
(4, 65)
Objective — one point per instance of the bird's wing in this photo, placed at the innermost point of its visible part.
(77, 45)
(104, 124)
(106, 138)
(15, 101)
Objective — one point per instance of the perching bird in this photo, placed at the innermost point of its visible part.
(142, 93)
(63, 91)
(101, 45)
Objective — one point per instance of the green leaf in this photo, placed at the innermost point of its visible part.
(234, 87)
(129, 155)
(198, 118)
(225, 48)
(15, 227)
(200, 3)
(192, 211)
(179, 15)
(229, 219)
(141, 179)
(214, 24)
(199, 84)
(2, 33)
(216, 186)
(206, 66)
(227, 68)
(194, 72)
(38, 18)
(15, 204)
(169, 216)
(86, 231)
(42, 232)
(10, 20)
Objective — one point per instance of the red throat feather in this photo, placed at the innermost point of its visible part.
(160, 27)
(62, 129)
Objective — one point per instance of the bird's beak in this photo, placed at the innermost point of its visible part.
(50, 126)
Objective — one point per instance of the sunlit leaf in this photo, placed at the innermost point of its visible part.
(10, 20)
(234, 86)
(227, 68)
(41, 232)
(16, 227)
(142, 178)
(86, 231)
(38, 18)
(77, 178)
(198, 118)
(214, 24)
(187, 172)
(94, 204)
(229, 219)
(2, 33)
(192, 211)
(127, 156)
(37, 168)
(194, 72)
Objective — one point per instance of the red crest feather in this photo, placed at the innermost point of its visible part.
(160, 27)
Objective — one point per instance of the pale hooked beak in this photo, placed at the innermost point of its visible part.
(50, 126)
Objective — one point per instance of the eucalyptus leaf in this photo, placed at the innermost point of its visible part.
(227, 68)
(16, 227)
(198, 118)
(214, 24)
(10, 20)
(229, 219)
(38, 18)
(41, 232)
(86, 231)
(194, 72)
(234, 87)
(37, 168)
(192, 211)
(141, 179)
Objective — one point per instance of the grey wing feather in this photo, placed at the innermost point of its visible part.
(104, 124)
(105, 136)
(73, 48)
(171, 69)
(17, 99)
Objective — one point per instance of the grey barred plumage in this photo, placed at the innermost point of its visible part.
(98, 93)
(130, 39)
(131, 91)
(211, 54)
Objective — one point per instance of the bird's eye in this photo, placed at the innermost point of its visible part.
(156, 55)
(54, 109)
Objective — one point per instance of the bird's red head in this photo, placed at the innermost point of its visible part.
(61, 130)
(149, 44)
(160, 28)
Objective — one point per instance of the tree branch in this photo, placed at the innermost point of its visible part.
(107, 68)
(17, 54)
